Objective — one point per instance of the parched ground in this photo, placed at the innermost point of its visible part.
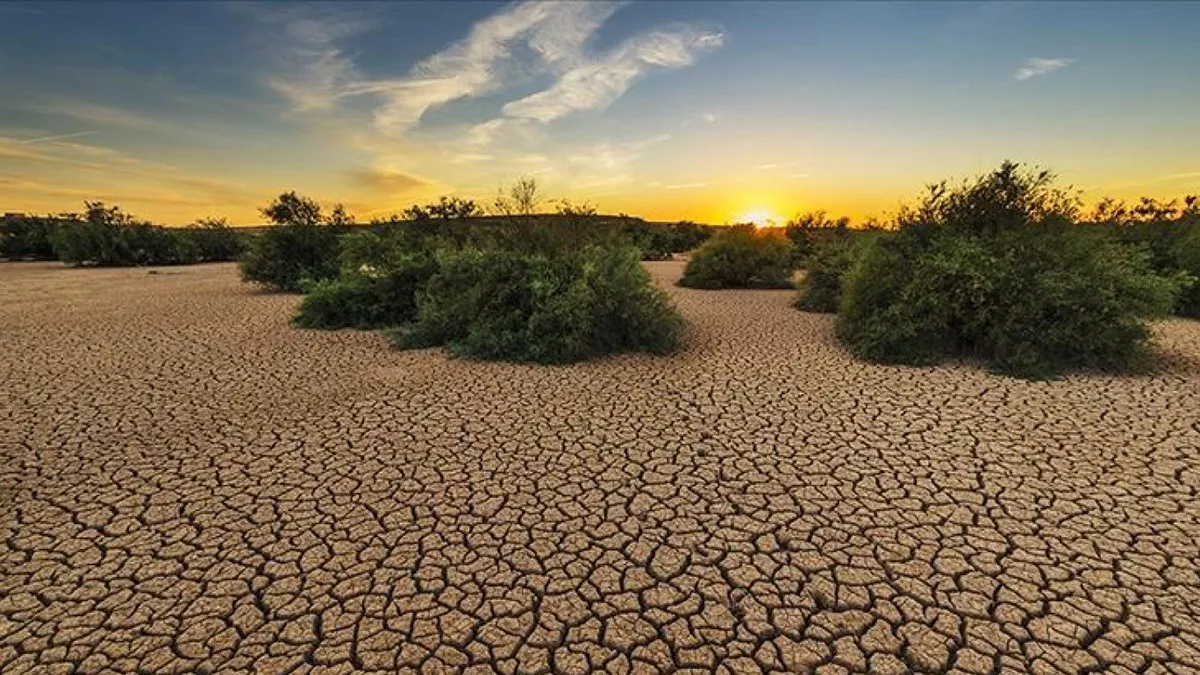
(189, 485)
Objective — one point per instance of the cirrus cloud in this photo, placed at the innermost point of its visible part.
(1040, 66)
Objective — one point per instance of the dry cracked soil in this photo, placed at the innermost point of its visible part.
(189, 485)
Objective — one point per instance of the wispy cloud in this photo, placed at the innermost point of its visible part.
(1039, 66)
(57, 137)
(778, 165)
(485, 61)
(384, 180)
(597, 83)
(102, 163)
(685, 186)
(606, 164)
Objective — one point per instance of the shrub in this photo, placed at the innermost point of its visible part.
(301, 245)
(546, 308)
(809, 231)
(213, 240)
(741, 257)
(1187, 260)
(995, 269)
(27, 237)
(1167, 231)
(366, 297)
(827, 264)
(661, 241)
(107, 236)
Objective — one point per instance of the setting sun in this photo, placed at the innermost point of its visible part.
(760, 218)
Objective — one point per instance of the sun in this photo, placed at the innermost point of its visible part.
(760, 218)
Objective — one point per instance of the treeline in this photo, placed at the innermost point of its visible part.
(1006, 268)
(107, 236)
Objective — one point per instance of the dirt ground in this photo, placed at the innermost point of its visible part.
(189, 485)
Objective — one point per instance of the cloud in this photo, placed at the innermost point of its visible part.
(485, 61)
(778, 165)
(467, 157)
(1038, 66)
(597, 83)
(709, 117)
(57, 137)
(386, 180)
(605, 164)
(685, 186)
(105, 163)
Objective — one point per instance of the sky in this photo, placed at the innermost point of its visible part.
(667, 110)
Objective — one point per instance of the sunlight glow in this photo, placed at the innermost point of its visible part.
(760, 218)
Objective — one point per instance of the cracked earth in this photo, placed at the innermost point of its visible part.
(189, 485)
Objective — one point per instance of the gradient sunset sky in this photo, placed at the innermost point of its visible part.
(667, 110)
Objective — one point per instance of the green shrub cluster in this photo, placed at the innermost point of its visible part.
(658, 241)
(520, 288)
(811, 231)
(365, 296)
(741, 256)
(826, 266)
(28, 237)
(543, 307)
(1167, 231)
(106, 236)
(997, 269)
(301, 246)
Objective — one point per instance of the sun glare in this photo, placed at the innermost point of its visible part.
(760, 218)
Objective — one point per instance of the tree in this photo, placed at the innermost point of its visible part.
(290, 208)
(446, 208)
(521, 199)
(525, 195)
(339, 218)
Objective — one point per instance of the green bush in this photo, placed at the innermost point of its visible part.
(997, 270)
(213, 240)
(741, 256)
(367, 297)
(1167, 231)
(107, 236)
(811, 231)
(659, 241)
(301, 246)
(1187, 260)
(826, 267)
(542, 307)
(28, 237)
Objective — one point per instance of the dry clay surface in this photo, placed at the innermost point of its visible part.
(189, 485)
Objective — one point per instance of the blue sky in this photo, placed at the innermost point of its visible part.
(668, 109)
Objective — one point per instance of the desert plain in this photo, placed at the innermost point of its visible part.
(190, 485)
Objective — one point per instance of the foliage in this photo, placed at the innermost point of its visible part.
(996, 269)
(662, 241)
(107, 236)
(826, 267)
(367, 297)
(1169, 232)
(1188, 261)
(213, 240)
(741, 256)
(809, 230)
(446, 208)
(543, 307)
(28, 237)
(302, 245)
(521, 199)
